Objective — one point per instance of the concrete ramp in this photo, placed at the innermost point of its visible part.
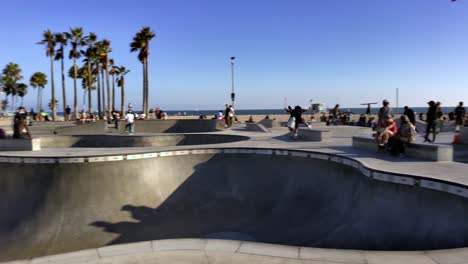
(62, 207)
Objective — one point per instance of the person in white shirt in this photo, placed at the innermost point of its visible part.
(130, 120)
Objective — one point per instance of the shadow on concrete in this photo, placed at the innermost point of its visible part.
(296, 201)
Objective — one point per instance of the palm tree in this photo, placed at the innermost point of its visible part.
(96, 60)
(38, 80)
(11, 75)
(141, 44)
(121, 72)
(104, 58)
(82, 73)
(89, 53)
(22, 91)
(61, 39)
(75, 36)
(49, 42)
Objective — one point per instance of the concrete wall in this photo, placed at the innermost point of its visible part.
(146, 126)
(113, 141)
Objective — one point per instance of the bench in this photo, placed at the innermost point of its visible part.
(314, 134)
(433, 152)
(256, 127)
(27, 144)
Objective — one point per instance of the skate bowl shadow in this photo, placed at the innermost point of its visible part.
(120, 141)
(272, 196)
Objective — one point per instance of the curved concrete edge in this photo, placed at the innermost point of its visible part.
(454, 188)
(232, 247)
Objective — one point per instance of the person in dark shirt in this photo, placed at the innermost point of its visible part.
(431, 117)
(67, 113)
(20, 129)
(227, 112)
(410, 114)
(460, 113)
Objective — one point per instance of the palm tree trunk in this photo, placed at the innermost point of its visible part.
(75, 92)
(144, 87)
(12, 103)
(147, 87)
(103, 93)
(109, 105)
(38, 98)
(90, 105)
(122, 99)
(99, 92)
(54, 109)
(22, 99)
(64, 95)
(113, 91)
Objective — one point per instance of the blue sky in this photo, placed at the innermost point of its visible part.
(330, 51)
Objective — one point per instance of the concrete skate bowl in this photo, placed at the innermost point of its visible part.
(280, 197)
(145, 126)
(120, 141)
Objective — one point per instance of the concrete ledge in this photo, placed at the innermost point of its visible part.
(269, 123)
(314, 134)
(256, 127)
(29, 144)
(433, 152)
(269, 250)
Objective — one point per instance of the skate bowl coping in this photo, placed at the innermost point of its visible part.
(275, 196)
(146, 126)
(120, 141)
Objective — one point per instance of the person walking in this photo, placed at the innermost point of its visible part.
(431, 117)
(460, 113)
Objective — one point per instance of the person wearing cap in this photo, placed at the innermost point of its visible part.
(431, 117)
(406, 134)
(384, 112)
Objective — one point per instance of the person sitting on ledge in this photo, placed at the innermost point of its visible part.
(20, 128)
(385, 130)
(406, 134)
(250, 120)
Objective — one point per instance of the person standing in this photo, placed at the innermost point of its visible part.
(385, 112)
(431, 121)
(227, 115)
(410, 114)
(67, 113)
(130, 119)
(460, 113)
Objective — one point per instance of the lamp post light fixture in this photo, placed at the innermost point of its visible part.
(233, 95)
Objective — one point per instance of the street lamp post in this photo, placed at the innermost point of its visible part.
(233, 95)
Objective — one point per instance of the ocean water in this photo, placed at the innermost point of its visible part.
(281, 111)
